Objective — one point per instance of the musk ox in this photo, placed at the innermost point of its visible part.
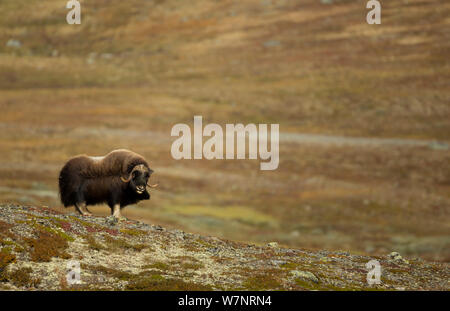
(118, 179)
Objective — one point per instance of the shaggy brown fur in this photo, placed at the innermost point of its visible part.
(118, 179)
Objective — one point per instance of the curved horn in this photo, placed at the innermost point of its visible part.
(125, 180)
(152, 186)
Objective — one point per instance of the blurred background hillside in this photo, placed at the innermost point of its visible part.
(364, 113)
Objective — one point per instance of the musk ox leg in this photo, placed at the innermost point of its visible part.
(116, 211)
(82, 209)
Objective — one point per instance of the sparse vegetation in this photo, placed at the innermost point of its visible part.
(21, 277)
(121, 275)
(5, 259)
(132, 232)
(119, 243)
(262, 282)
(155, 282)
(93, 244)
(125, 262)
(47, 245)
(157, 265)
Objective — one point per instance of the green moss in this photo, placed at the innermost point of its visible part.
(123, 244)
(51, 230)
(62, 234)
(80, 221)
(17, 247)
(6, 242)
(156, 282)
(133, 232)
(290, 265)
(144, 281)
(308, 285)
(204, 243)
(262, 282)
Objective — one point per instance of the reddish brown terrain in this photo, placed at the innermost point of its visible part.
(363, 110)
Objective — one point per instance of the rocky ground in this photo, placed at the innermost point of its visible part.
(38, 244)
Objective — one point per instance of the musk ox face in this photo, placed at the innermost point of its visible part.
(138, 179)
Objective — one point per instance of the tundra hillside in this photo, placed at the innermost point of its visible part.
(363, 113)
(37, 244)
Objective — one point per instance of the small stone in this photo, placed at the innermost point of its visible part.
(13, 43)
(305, 275)
(272, 244)
(278, 262)
(213, 250)
(295, 234)
(397, 258)
(107, 56)
(394, 256)
(435, 145)
(111, 221)
(271, 43)
(91, 58)
(179, 234)
(325, 259)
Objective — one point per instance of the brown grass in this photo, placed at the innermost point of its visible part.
(46, 246)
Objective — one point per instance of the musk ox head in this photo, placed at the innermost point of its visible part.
(138, 178)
